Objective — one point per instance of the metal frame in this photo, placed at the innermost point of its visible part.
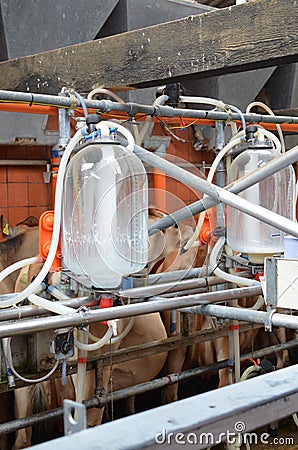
(229, 412)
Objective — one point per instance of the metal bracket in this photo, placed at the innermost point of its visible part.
(72, 425)
(268, 321)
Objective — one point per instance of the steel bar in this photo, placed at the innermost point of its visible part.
(17, 424)
(175, 275)
(148, 291)
(84, 318)
(23, 162)
(276, 164)
(217, 193)
(176, 423)
(21, 312)
(134, 108)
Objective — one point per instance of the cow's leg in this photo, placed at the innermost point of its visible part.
(23, 408)
(174, 364)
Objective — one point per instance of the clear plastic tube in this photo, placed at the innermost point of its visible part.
(203, 101)
(96, 345)
(211, 173)
(216, 103)
(26, 380)
(106, 92)
(269, 110)
(82, 101)
(248, 371)
(240, 281)
(54, 307)
(120, 336)
(118, 99)
(18, 265)
(158, 101)
(57, 294)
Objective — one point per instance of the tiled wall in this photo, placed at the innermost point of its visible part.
(22, 188)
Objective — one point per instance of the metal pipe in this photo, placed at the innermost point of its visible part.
(23, 162)
(86, 317)
(276, 164)
(134, 108)
(175, 275)
(17, 424)
(218, 193)
(64, 122)
(149, 291)
(21, 312)
(247, 315)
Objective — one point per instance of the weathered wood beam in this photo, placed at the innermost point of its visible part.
(253, 35)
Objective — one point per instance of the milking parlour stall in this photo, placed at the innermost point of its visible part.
(149, 237)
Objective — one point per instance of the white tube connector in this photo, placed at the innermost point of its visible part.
(121, 129)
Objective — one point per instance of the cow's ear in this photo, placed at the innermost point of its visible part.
(30, 221)
(5, 227)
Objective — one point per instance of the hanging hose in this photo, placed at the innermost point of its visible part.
(249, 371)
(211, 173)
(278, 127)
(118, 99)
(100, 343)
(120, 336)
(240, 281)
(81, 100)
(55, 307)
(26, 380)
(158, 101)
(19, 265)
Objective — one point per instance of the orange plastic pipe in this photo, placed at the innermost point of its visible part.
(160, 187)
(26, 108)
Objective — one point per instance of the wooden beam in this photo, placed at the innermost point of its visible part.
(253, 35)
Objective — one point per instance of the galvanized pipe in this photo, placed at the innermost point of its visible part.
(21, 312)
(23, 162)
(87, 317)
(134, 108)
(275, 319)
(175, 275)
(149, 291)
(217, 193)
(276, 164)
(17, 424)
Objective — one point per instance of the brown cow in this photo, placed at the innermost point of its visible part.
(181, 358)
(21, 243)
